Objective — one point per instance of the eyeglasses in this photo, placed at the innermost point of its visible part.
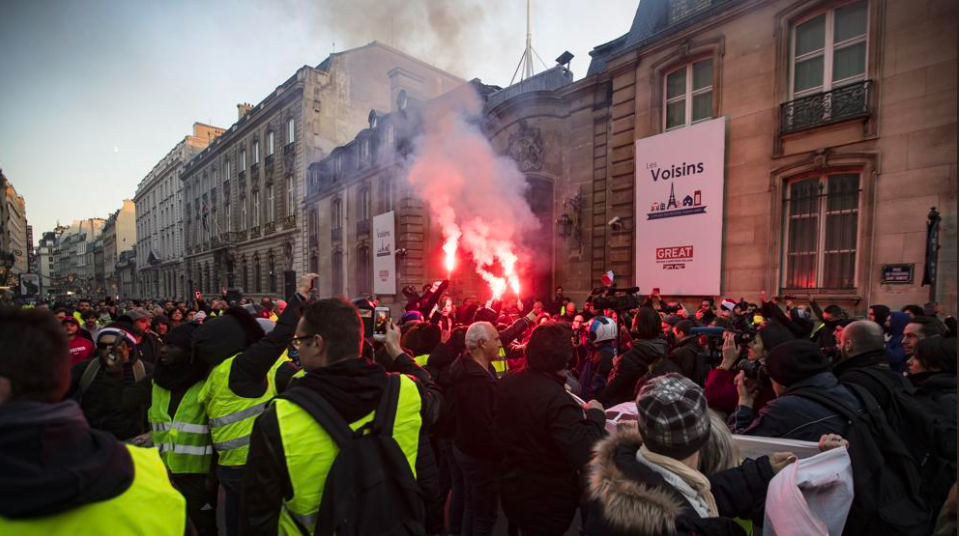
(297, 342)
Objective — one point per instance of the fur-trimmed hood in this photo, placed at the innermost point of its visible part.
(639, 503)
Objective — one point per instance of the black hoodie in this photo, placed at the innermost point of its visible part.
(51, 461)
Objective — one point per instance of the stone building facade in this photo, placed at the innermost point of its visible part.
(158, 210)
(840, 136)
(74, 257)
(242, 194)
(13, 232)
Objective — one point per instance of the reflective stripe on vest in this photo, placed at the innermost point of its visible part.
(184, 440)
(421, 359)
(500, 365)
(232, 416)
(310, 452)
(123, 514)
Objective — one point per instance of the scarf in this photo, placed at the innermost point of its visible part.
(692, 484)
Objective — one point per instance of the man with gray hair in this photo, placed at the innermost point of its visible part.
(472, 396)
(863, 361)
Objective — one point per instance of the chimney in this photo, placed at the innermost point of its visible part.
(242, 109)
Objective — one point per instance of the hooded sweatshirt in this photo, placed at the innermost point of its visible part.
(51, 461)
(894, 350)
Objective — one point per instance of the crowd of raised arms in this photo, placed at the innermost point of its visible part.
(615, 416)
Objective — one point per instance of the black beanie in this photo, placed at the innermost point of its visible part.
(795, 361)
(181, 336)
(773, 335)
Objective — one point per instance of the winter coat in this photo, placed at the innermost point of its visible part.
(723, 395)
(793, 417)
(936, 391)
(846, 371)
(52, 461)
(114, 403)
(688, 357)
(547, 439)
(472, 399)
(629, 368)
(625, 497)
(353, 387)
(895, 353)
(595, 369)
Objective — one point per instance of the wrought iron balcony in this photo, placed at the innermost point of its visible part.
(269, 228)
(841, 104)
(289, 148)
(255, 232)
(336, 235)
(289, 222)
(363, 227)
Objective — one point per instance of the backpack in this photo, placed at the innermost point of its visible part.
(885, 476)
(370, 488)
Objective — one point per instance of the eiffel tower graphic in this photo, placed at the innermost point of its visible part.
(672, 197)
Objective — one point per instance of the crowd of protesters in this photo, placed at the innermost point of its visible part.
(463, 417)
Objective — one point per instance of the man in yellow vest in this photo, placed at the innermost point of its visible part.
(57, 475)
(291, 454)
(179, 426)
(248, 369)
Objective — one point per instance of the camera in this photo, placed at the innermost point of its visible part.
(745, 338)
(617, 299)
(755, 370)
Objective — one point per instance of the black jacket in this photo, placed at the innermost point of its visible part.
(353, 387)
(794, 417)
(626, 497)
(114, 403)
(472, 399)
(547, 439)
(51, 461)
(936, 391)
(849, 371)
(629, 368)
(688, 357)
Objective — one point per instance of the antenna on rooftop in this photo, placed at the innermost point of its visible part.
(526, 62)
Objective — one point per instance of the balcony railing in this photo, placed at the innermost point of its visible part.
(289, 148)
(841, 104)
(336, 235)
(363, 226)
(255, 232)
(269, 228)
(289, 222)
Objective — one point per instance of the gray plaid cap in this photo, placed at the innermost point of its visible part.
(673, 416)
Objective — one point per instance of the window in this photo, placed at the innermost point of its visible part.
(365, 204)
(829, 50)
(257, 273)
(364, 277)
(228, 169)
(314, 264)
(270, 204)
(337, 214)
(243, 220)
(245, 274)
(271, 273)
(256, 151)
(822, 231)
(243, 160)
(314, 227)
(256, 208)
(337, 273)
(270, 143)
(290, 207)
(290, 131)
(229, 218)
(689, 95)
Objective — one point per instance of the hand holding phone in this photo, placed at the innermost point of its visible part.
(381, 322)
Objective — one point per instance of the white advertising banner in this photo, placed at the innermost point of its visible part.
(384, 249)
(679, 210)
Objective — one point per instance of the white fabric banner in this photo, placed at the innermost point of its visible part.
(384, 249)
(679, 210)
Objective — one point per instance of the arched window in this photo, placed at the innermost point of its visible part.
(365, 207)
(337, 214)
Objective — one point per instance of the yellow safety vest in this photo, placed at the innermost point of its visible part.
(500, 365)
(310, 452)
(421, 359)
(184, 440)
(149, 507)
(231, 415)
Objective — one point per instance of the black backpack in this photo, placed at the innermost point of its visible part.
(886, 480)
(370, 488)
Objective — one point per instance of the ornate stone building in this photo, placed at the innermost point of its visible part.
(840, 136)
(241, 194)
(159, 219)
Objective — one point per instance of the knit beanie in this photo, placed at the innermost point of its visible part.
(773, 335)
(673, 417)
(794, 361)
(182, 336)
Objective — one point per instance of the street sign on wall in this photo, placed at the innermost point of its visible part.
(679, 210)
(384, 254)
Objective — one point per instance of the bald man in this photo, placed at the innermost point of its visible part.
(864, 361)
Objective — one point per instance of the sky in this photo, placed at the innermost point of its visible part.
(93, 93)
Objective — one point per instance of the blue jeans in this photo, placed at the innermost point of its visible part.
(481, 494)
(231, 478)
